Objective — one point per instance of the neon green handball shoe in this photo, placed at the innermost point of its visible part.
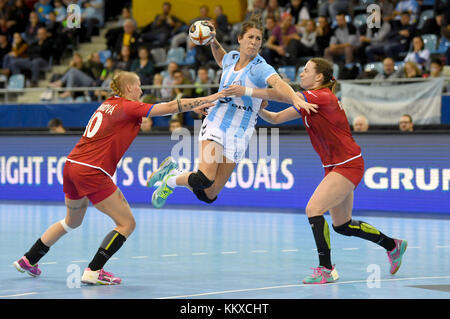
(160, 195)
(164, 168)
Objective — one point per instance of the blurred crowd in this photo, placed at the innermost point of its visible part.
(401, 38)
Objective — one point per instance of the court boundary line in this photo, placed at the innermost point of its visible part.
(19, 295)
(299, 286)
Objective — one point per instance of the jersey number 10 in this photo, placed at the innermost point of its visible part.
(94, 124)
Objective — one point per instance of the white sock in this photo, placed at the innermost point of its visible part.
(172, 181)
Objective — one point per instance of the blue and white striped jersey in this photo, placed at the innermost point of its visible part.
(240, 113)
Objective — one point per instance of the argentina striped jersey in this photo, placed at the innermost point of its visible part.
(239, 113)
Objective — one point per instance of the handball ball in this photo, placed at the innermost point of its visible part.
(200, 33)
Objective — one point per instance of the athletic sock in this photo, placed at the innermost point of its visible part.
(366, 231)
(36, 252)
(110, 245)
(172, 181)
(321, 234)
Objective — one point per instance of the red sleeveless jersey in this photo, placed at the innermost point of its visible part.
(328, 129)
(109, 133)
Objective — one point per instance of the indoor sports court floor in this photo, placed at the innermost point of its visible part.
(221, 254)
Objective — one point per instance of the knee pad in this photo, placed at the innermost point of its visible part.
(198, 180)
(201, 195)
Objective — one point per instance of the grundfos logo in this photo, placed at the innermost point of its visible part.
(425, 179)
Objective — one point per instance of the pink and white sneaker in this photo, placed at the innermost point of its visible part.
(99, 277)
(395, 255)
(23, 265)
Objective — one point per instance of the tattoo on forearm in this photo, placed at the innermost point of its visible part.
(189, 105)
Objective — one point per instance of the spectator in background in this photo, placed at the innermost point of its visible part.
(92, 17)
(123, 60)
(388, 70)
(372, 37)
(60, 10)
(33, 25)
(323, 34)
(410, 6)
(182, 37)
(299, 10)
(39, 53)
(18, 17)
(5, 48)
(277, 47)
(55, 126)
(273, 10)
(181, 79)
(221, 24)
(411, 70)
(397, 40)
(360, 124)
(19, 49)
(202, 80)
(307, 45)
(257, 9)
(419, 54)
(154, 94)
(146, 124)
(79, 74)
(331, 8)
(436, 68)
(43, 8)
(163, 27)
(405, 124)
(434, 25)
(125, 15)
(59, 36)
(270, 24)
(175, 124)
(344, 40)
(128, 37)
(167, 93)
(143, 66)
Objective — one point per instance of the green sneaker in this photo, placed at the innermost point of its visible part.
(160, 195)
(164, 168)
(322, 275)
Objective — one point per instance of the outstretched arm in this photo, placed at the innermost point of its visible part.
(184, 105)
(286, 115)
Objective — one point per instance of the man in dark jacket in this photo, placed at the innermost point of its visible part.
(397, 40)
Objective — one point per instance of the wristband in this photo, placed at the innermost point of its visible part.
(179, 105)
(248, 91)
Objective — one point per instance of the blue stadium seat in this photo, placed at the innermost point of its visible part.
(398, 65)
(104, 54)
(336, 70)
(288, 71)
(159, 56)
(430, 42)
(299, 71)
(425, 15)
(175, 55)
(16, 81)
(359, 20)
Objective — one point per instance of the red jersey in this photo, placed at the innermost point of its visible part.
(109, 133)
(328, 129)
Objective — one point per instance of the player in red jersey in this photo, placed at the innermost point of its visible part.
(90, 166)
(341, 158)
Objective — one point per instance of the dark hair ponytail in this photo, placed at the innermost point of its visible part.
(325, 67)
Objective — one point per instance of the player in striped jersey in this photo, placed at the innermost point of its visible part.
(229, 125)
(341, 158)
